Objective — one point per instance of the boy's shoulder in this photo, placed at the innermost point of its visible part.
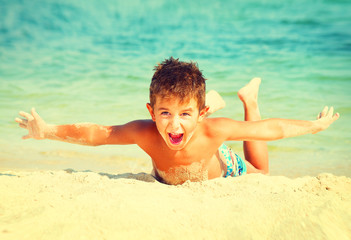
(145, 128)
(139, 130)
(218, 126)
(214, 124)
(143, 124)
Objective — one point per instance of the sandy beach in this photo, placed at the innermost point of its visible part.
(88, 205)
(93, 61)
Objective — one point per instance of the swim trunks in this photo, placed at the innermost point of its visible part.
(235, 165)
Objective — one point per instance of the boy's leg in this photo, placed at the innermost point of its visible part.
(214, 101)
(256, 152)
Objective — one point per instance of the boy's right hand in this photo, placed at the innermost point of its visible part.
(35, 125)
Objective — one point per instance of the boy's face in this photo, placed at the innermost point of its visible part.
(175, 121)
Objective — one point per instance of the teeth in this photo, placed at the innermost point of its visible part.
(176, 135)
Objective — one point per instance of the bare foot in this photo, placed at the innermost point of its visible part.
(248, 94)
(214, 101)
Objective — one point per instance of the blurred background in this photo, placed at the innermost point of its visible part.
(92, 61)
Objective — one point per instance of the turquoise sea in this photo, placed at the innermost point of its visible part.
(92, 61)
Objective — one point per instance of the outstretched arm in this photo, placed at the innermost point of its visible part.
(79, 133)
(274, 129)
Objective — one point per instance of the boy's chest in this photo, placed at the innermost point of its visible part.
(181, 173)
(196, 162)
(178, 167)
(199, 152)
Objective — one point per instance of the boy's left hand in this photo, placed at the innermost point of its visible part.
(326, 118)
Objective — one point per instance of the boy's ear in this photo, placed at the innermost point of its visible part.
(203, 113)
(151, 111)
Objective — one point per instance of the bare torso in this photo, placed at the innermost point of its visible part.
(198, 161)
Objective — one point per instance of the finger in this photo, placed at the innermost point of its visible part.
(35, 114)
(336, 116)
(23, 125)
(324, 111)
(19, 120)
(330, 112)
(26, 115)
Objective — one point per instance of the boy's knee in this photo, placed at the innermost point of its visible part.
(253, 169)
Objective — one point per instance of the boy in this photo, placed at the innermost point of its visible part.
(182, 143)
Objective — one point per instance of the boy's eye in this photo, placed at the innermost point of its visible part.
(185, 114)
(165, 113)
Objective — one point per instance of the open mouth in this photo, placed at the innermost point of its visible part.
(175, 138)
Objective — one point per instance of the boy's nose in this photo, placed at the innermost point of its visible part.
(175, 124)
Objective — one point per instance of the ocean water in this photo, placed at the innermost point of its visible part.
(92, 61)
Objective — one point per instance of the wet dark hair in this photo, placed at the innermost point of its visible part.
(174, 78)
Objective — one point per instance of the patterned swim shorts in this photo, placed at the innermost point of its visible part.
(235, 165)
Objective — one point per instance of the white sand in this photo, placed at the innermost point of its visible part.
(80, 205)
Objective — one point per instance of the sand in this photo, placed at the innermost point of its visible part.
(88, 205)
